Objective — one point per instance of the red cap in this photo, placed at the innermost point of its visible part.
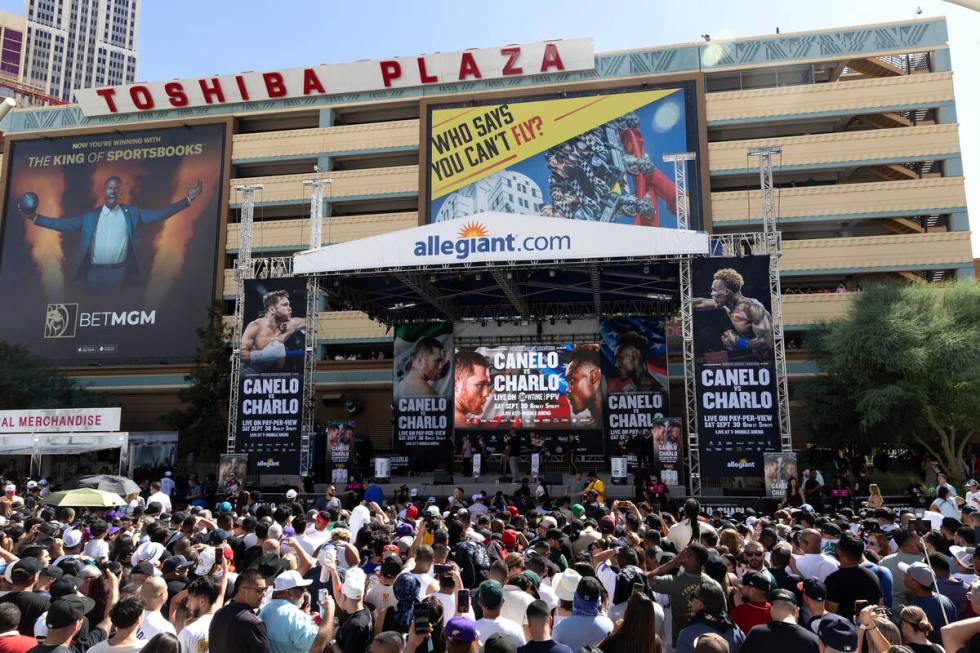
(513, 511)
(607, 524)
(509, 538)
(228, 553)
(390, 548)
(412, 511)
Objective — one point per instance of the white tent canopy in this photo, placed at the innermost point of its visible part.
(500, 238)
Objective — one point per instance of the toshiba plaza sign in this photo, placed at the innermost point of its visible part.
(331, 79)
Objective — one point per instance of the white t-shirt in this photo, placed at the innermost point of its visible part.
(96, 549)
(153, 624)
(382, 597)
(816, 565)
(973, 499)
(311, 539)
(162, 499)
(448, 602)
(194, 637)
(487, 627)
(426, 580)
(105, 647)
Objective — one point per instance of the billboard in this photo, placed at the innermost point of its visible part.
(780, 467)
(422, 387)
(270, 391)
(668, 449)
(340, 439)
(528, 387)
(109, 243)
(594, 156)
(634, 364)
(734, 364)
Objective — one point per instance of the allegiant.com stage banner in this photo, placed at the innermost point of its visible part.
(109, 243)
(422, 388)
(634, 364)
(734, 364)
(589, 156)
(270, 391)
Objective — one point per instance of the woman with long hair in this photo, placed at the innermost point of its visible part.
(793, 498)
(687, 530)
(875, 500)
(632, 634)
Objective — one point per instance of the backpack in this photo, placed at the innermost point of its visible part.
(473, 561)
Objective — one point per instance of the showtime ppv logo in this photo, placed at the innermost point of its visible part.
(473, 237)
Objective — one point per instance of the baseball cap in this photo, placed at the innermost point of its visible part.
(33, 484)
(176, 563)
(782, 595)
(578, 509)
(354, 582)
(144, 568)
(549, 522)
(589, 589)
(920, 573)
(837, 633)
(205, 561)
(67, 610)
(460, 629)
(64, 586)
(756, 580)
(391, 566)
(72, 539)
(813, 588)
(217, 536)
(712, 596)
(607, 524)
(9, 487)
(148, 552)
(509, 538)
(499, 643)
(24, 570)
(52, 572)
(533, 577)
(288, 580)
(412, 511)
(491, 594)
(291, 494)
(89, 571)
(963, 555)
(223, 506)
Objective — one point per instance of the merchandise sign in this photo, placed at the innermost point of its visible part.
(780, 467)
(340, 439)
(519, 60)
(734, 364)
(270, 392)
(422, 388)
(634, 364)
(60, 420)
(595, 156)
(109, 243)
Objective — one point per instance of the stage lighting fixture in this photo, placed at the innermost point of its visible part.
(646, 269)
(478, 276)
(551, 273)
(510, 276)
(432, 278)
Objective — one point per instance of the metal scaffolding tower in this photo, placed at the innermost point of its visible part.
(680, 160)
(773, 247)
(244, 269)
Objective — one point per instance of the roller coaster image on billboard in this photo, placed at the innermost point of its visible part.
(595, 156)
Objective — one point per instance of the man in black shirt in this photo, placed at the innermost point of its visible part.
(784, 633)
(354, 634)
(32, 604)
(813, 491)
(66, 616)
(514, 451)
(851, 582)
(236, 628)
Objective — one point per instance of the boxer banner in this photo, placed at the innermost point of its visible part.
(668, 449)
(735, 369)
(270, 390)
(340, 439)
(110, 243)
(634, 364)
(422, 388)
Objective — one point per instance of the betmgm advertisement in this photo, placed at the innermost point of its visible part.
(529, 387)
(109, 243)
(593, 156)
(270, 391)
(734, 364)
(422, 387)
(634, 364)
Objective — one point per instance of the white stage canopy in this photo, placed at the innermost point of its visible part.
(499, 238)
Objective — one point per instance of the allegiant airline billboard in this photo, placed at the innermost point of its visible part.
(595, 157)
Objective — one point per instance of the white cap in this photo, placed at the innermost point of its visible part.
(549, 522)
(43, 481)
(205, 561)
(291, 494)
(433, 510)
(31, 485)
(414, 492)
(148, 552)
(10, 487)
(71, 539)
(288, 580)
(354, 583)
(168, 473)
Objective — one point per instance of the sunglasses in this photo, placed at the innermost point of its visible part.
(752, 554)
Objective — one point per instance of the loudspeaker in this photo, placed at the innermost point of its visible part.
(553, 479)
(441, 477)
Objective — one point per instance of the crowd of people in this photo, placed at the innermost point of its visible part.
(412, 574)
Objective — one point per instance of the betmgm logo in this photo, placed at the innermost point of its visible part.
(61, 321)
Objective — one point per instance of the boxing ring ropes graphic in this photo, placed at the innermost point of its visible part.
(419, 278)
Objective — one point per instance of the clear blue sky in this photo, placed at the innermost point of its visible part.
(183, 38)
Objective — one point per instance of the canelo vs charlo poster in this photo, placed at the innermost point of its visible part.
(595, 157)
(110, 243)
